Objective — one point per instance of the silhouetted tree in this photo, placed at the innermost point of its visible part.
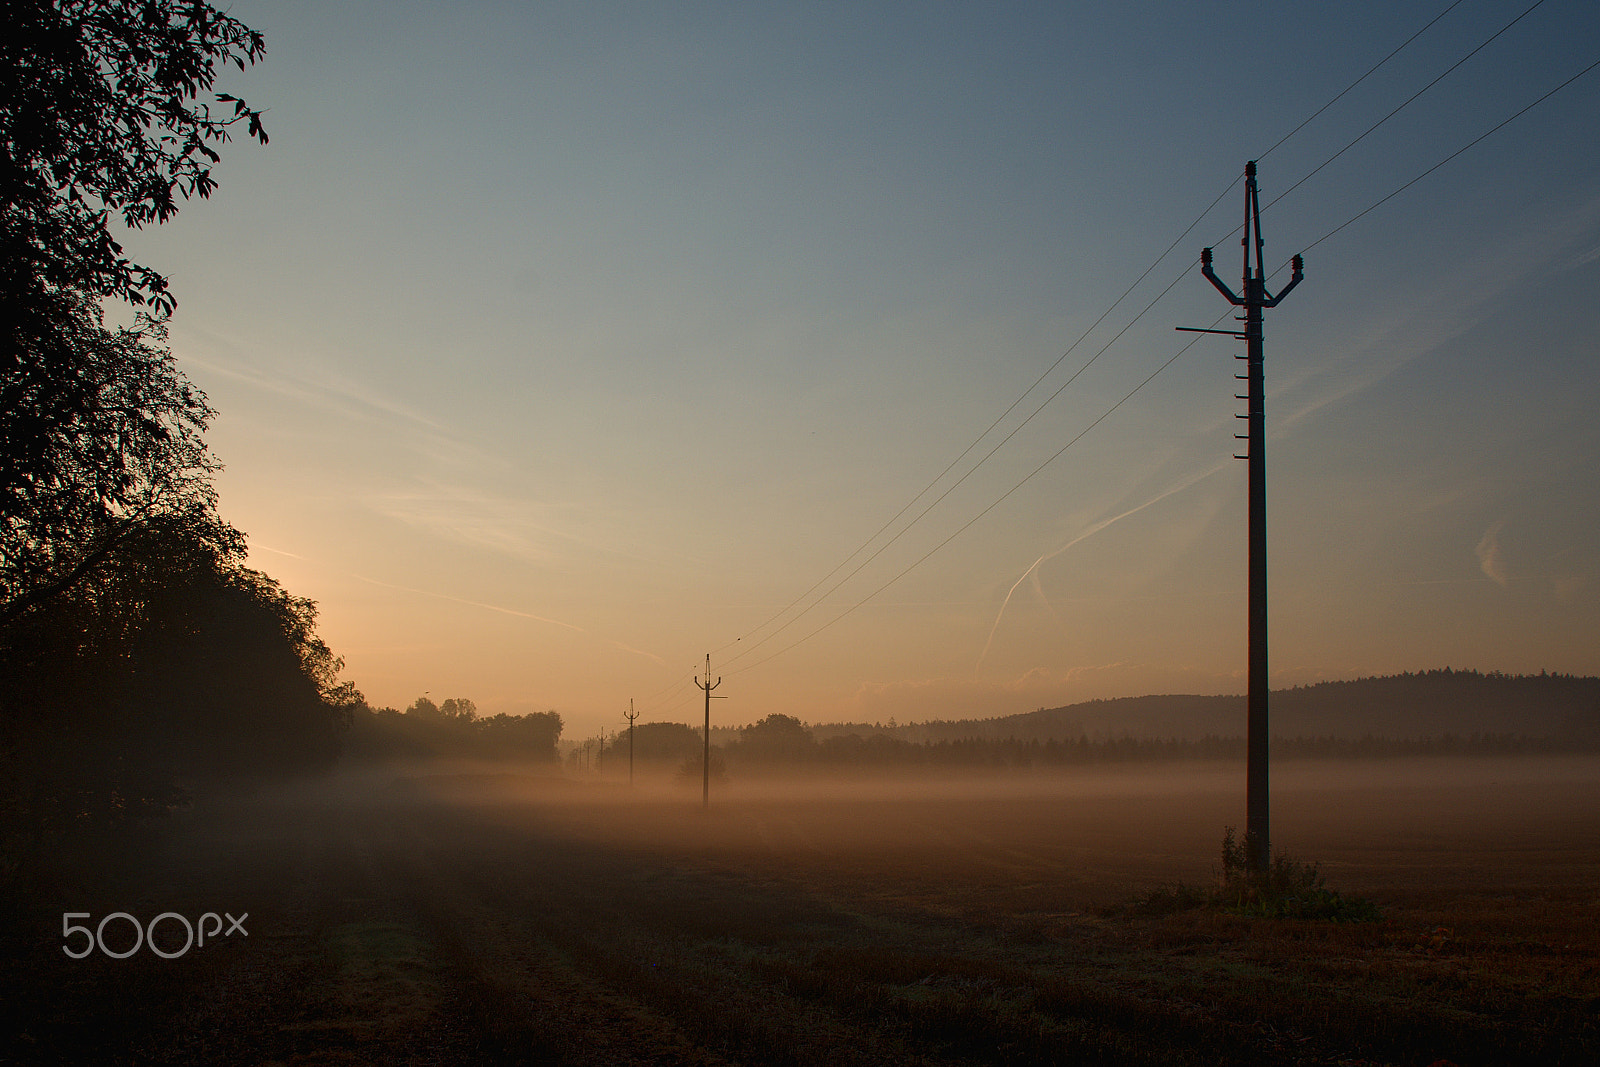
(458, 709)
(691, 770)
(423, 708)
(665, 741)
(533, 736)
(170, 661)
(453, 730)
(776, 738)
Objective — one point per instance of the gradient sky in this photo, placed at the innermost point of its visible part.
(556, 345)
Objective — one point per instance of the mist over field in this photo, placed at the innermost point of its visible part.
(1076, 838)
(456, 910)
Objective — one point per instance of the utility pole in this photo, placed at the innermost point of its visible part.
(1258, 830)
(630, 715)
(705, 764)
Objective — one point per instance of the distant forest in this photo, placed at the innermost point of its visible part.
(1409, 707)
(1441, 712)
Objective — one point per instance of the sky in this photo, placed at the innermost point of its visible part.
(559, 346)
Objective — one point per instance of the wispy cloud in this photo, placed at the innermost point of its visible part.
(639, 652)
(348, 401)
(342, 397)
(1491, 558)
(530, 530)
(1585, 258)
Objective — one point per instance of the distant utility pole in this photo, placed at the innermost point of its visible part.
(630, 715)
(1258, 835)
(705, 764)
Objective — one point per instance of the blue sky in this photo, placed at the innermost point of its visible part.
(556, 345)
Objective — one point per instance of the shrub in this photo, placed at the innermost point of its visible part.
(1286, 889)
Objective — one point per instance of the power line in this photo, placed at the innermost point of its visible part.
(1452, 155)
(968, 450)
(1151, 377)
(1409, 100)
(1371, 71)
(996, 503)
(958, 482)
(750, 648)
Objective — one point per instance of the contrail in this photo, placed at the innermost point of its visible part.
(508, 611)
(639, 652)
(473, 603)
(1090, 532)
(257, 547)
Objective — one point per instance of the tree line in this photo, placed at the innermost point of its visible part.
(451, 730)
(783, 741)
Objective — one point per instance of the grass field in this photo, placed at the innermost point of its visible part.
(465, 918)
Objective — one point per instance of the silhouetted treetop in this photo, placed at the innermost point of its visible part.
(101, 112)
(459, 709)
(776, 736)
(423, 708)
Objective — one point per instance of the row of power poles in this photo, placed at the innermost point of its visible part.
(705, 764)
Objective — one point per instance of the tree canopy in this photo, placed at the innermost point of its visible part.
(107, 109)
(103, 112)
(171, 661)
(775, 737)
(452, 729)
(98, 429)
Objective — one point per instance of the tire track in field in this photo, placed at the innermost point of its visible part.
(524, 1000)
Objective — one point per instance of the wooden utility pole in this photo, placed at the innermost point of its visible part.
(630, 715)
(1258, 831)
(705, 764)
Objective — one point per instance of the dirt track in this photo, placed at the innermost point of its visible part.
(431, 922)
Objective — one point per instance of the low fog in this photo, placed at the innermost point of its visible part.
(1072, 838)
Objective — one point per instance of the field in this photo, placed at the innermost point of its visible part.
(480, 917)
